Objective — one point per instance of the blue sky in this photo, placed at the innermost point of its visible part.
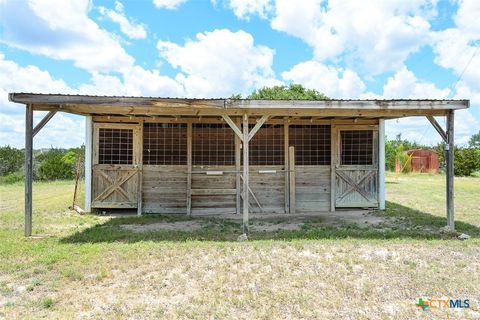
(202, 48)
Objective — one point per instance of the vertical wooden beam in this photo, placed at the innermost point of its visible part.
(381, 164)
(333, 162)
(238, 181)
(88, 163)
(450, 170)
(291, 178)
(28, 168)
(189, 168)
(139, 151)
(286, 143)
(245, 174)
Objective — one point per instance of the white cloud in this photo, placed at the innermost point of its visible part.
(334, 82)
(136, 81)
(62, 30)
(129, 28)
(168, 4)
(25, 79)
(219, 63)
(457, 48)
(243, 9)
(62, 130)
(378, 36)
(404, 84)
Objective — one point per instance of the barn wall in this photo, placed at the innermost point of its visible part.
(164, 189)
(215, 185)
(268, 188)
(312, 186)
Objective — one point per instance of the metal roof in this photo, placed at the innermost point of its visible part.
(152, 106)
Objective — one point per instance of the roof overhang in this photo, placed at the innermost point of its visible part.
(152, 106)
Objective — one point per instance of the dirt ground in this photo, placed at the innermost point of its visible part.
(272, 222)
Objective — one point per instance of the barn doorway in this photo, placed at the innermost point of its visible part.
(116, 173)
(356, 166)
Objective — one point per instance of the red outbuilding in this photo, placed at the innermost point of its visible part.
(418, 160)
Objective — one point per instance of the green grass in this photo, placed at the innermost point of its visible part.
(89, 266)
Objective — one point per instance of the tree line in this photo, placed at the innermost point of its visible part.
(49, 164)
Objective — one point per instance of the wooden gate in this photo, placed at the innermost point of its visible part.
(356, 166)
(116, 162)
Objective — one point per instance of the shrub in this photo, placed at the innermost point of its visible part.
(11, 160)
(56, 164)
(467, 161)
(11, 178)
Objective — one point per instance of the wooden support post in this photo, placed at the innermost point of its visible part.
(285, 155)
(291, 178)
(189, 168)
(28, 168)
(450, 170)
(381, 164)
(238, 181)
(245, 174)
(88, 163)
(333, 162)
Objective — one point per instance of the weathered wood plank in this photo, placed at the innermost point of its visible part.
(210, 192)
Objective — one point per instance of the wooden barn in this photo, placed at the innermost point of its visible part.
(207, 156)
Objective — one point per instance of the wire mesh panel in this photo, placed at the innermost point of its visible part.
(312, 144)
(213, 145)
(115, 146)
(356, 147)
(165, 144)
(266, 146)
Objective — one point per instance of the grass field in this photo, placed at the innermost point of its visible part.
(91, 266)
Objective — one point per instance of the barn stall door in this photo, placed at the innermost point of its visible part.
(116, 159)
(356, 166)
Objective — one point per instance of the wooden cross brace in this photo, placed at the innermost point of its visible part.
(115, 185)
(237, 130)
(355, 185)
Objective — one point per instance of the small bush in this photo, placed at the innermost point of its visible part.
(11, 178)
(11, 160)
(467, 161)
(56, 164)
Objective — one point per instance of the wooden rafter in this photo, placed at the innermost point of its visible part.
(43, 122)
(437, 127)
(257, 127)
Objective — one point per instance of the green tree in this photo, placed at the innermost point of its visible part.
(11, 160)
(466, 162)
(56, 164)
(474, 141)
(291, 92)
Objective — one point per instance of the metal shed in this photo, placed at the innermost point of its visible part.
(419, 160)
(194, 156)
